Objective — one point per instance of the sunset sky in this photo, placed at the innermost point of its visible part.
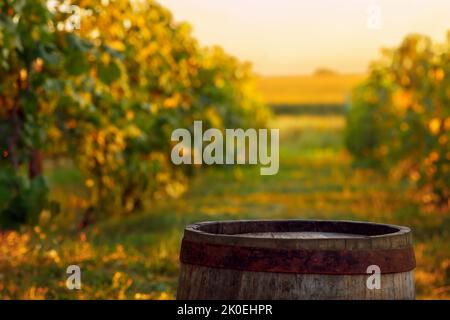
(286, 37)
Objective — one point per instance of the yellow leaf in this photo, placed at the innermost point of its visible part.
(89, 183)
(434, 125)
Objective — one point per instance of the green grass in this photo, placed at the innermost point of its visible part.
(137, 256)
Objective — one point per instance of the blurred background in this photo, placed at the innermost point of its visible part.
(91, 90)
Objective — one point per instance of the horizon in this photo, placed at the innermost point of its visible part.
(336, 73)
(340, 40)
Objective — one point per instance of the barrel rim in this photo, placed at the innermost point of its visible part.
(399, 237)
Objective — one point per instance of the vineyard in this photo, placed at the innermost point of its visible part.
(400, 118)
(86, 178)
(104, 99)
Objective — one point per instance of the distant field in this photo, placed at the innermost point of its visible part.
(308, 89)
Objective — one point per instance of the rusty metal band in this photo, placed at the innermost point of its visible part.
(333, 262)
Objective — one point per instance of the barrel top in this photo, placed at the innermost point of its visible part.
(301, 234)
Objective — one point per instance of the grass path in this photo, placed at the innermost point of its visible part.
(137, 257)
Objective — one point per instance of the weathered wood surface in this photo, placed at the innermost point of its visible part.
(300, 235)
(203, 282)
(212, 283)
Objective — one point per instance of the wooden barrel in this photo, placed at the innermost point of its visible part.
(296, 259)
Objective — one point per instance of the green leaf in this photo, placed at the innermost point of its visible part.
(108, 72)
(76, 64)
(76, 43)
(48, 54)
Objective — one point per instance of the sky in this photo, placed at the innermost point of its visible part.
(289, 37)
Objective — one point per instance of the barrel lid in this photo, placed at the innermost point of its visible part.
(301, 234)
